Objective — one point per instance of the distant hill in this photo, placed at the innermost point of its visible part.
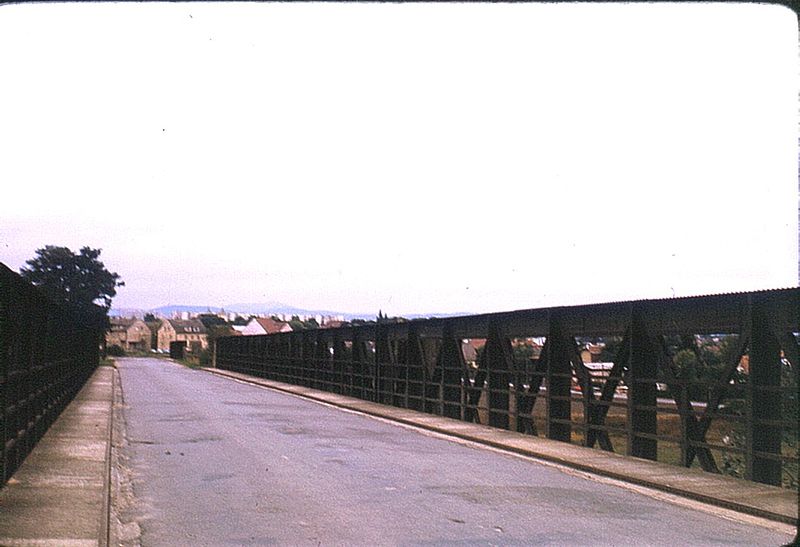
(280, 308)
(126, 312)
(170, 310)
(263, 308)
(258, 308)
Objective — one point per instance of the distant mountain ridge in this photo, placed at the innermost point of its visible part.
(263, 308)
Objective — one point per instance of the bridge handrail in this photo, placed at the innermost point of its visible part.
(47, 352)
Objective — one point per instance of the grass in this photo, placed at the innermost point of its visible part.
(190, 362)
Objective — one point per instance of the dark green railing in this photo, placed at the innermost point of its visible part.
(47, 352)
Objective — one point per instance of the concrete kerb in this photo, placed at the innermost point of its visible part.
(768, 502)
(105, 532)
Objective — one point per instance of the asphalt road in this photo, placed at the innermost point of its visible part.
(218, 462)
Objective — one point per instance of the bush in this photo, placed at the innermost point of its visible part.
(115, 351)
(205, 357)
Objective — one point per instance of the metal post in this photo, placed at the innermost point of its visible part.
(383, 377)
(498, 364)
(415, 374)
(358, 357)
(431, 376)
(764, 431)
(5, 351)
(341, 366)
(441, 382)
(642, 391)
(559, 379)
(451, 363)
(308, 358)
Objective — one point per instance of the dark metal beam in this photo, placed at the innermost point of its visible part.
(765, 373)
(641, 381)
(559, 383)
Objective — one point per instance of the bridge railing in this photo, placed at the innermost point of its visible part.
(47, 352)
(706, 381)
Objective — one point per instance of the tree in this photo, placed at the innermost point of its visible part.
(356, 322)
(296, 324)
(210, 320)
(77, 278)
(214, 332)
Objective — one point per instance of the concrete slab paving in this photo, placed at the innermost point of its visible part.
(74, 447)
(778, 504)
(79, 424)
(50, 471)
(59, 496)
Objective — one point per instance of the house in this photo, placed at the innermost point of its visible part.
(591, 353)
(190, 331)
(265, 325)
(470, 348)
(154, 326)
(129, 333)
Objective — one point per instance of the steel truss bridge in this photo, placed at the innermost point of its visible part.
(745, 423)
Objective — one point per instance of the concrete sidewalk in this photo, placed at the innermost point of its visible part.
(60, 494)
(773, 503)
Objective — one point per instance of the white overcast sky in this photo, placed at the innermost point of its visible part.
(404, 157)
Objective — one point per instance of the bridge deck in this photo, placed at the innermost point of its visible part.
(214, 461)
(753, 498)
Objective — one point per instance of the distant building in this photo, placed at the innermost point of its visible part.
(470, 348)
(265, 325)
(599, 372)
(744, 363)
(154, 326)
(190, 331)
(592, 353)
(129, 333)
(333, 324)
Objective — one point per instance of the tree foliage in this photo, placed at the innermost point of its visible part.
(80, 279)
(210, 320)
(298, 324)
(115, 351)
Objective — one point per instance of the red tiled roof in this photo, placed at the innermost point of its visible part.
(270, 325)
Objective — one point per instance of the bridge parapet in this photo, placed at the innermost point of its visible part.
(47, 352)
(707, 381)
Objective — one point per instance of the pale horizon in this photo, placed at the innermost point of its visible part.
(409, 158)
